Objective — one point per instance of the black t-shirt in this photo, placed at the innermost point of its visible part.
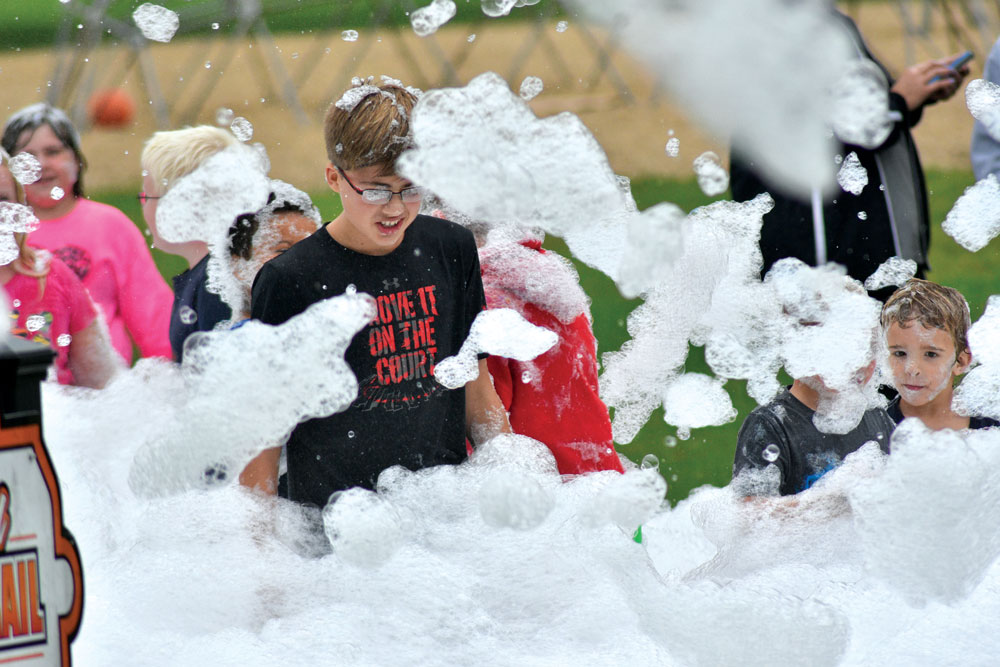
(428, 291)
(804, 453)
(974, 422)
(195, 308)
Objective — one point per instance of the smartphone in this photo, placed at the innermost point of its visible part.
(955, 64)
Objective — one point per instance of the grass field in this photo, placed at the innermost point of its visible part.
(36, 23)
(706, 458)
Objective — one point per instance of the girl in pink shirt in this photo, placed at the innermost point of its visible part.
(48, 304)
(98, 242)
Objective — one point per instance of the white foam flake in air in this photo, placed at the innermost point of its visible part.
(26, 168)
(852, 177)
(14, 219)
(202, 206)
(974, 220)
(349, 35)
(504, 166)
(242, 129)
(695, 400)
(982, 97)
(427, 20)
(500, 331)
(56, 193)
(781, 120)
(712, 176)
(155, 22)
(860, 106)
(978, 393)
(673, 147)
(531, 87)
(224, 116)
(894, 271)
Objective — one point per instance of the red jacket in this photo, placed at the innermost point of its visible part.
(553, 398)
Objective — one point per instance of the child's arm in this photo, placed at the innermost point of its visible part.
(261, 474)
(485, 416)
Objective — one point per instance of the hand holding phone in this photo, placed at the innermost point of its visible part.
(955, 64)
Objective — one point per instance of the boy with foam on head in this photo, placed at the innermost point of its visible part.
(424, 275)
(166, 158)
(828, 330)
(926, 328)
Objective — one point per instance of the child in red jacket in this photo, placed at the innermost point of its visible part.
(554, 397)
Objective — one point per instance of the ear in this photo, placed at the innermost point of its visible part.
(332, 177)
(867, 371)
(962, 362)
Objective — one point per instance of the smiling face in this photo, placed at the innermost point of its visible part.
(370, 229)
(60, 168)
(923, 362)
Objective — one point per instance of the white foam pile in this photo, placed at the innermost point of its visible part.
(427, 20)
(155, 22)
(203, 205)
(499, 560)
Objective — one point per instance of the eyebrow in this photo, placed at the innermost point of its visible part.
(387, 186)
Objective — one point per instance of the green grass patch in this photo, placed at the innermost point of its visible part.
(705, 458)
(36, 23)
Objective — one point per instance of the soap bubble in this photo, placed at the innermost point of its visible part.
(242, 129)
(771, 453)
(57, 193)
(224, 117)
(155, 22)
(63, 340)
(26, 168)
(187, 315)
(561, 26)
(495, 8)
(349, 35)
(650, 461)
(531, 87)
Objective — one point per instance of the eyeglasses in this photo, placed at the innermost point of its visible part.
(143, 198)
(381, 197)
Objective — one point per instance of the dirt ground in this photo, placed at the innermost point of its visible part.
(630, 117)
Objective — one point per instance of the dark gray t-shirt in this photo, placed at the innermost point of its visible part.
(804, 453)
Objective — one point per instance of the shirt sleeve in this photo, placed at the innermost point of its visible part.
(80, 308)
(144, 298)
(759, 431)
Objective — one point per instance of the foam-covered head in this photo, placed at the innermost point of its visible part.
(21, 126)
(932, 305)
(170, 155)
(370, 124)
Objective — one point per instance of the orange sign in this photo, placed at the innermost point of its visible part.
(41, 602)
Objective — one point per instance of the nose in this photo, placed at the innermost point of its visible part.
(912, 367)
(395, 206)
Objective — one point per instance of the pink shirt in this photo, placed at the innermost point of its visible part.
(110, 256)
(64, 308)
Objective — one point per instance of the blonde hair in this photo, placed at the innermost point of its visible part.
(933, 306)
(170, 155)
(369, 125)
(27, 261)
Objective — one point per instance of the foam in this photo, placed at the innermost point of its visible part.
(852, 177)
(894, 271)
(427, 20)
(14, 219)
(155, 22)
(974, 220)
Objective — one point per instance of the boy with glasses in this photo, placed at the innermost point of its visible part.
(424, 276)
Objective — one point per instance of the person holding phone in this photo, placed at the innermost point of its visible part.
(890, 215)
